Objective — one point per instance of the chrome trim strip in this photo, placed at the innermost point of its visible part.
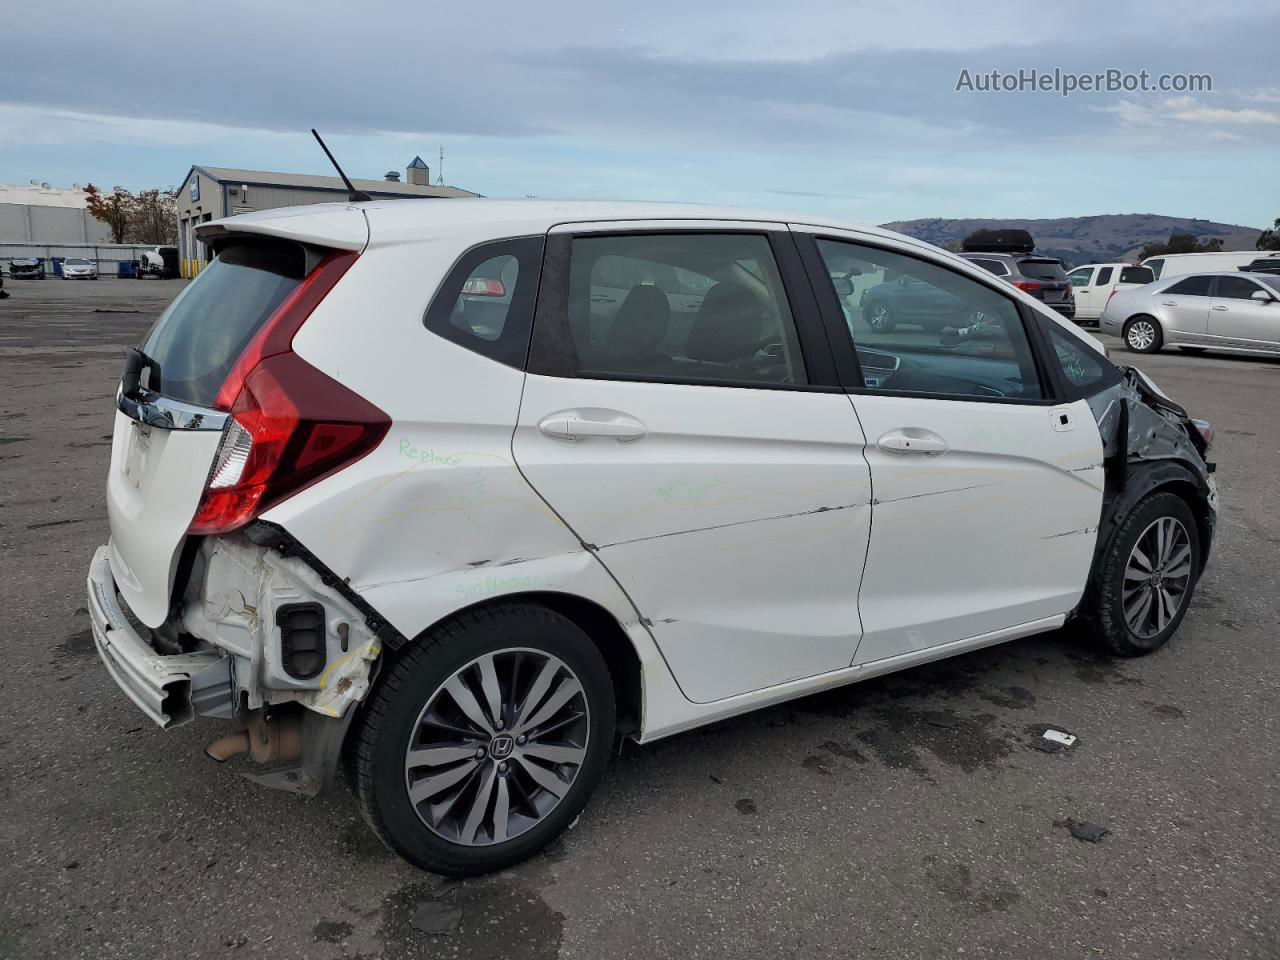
(168, 414)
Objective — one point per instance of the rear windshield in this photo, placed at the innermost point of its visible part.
(198, 339)
(1136, 275)
(1042, 269)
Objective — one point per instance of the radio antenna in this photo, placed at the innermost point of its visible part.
(353, 194)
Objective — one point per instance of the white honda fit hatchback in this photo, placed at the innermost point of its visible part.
(460, 491)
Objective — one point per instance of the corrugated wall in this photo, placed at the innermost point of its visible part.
(30, 223)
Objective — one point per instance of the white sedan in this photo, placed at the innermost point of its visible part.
(78, 268)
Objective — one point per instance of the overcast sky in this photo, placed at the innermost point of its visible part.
(846, 108)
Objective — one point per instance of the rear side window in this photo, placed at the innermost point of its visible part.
(1136, 275)
(1104, 276)
(486, 302)
(1042, 269)
(200, 336)
(1191, 287)
(991, 266)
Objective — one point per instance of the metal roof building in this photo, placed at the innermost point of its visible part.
(211, 193)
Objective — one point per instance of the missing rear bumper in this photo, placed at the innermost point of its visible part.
(171, 690)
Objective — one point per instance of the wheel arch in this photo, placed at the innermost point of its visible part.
(1143, 480)
(603, 629)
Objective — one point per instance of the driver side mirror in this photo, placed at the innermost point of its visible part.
(843, 286)
(1261, 296)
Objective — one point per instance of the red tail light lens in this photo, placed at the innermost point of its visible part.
(480, 287)
(1025, 285)
(290, 424)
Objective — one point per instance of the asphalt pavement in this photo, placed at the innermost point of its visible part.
(908, 816)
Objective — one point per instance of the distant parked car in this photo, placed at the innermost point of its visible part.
(160, 262)
(1222, 311)
(26, 268)
(1094, 284)
(1263, 265)
(1041, 277)
(1180, 264)
(78, 268)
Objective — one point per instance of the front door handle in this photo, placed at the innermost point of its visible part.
(1218, 307)
(572, 425)
(912, 440)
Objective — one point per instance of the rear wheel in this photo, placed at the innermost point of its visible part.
(1142, 335)
(484, 740)
(880, 317)
(1146, 580)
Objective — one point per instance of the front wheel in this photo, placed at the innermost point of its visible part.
(1142, 335)
(484, 740)
(1145, 582)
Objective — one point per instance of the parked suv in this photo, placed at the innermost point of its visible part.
(1041, 277)
(463, 492)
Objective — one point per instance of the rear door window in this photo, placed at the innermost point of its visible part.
(1191, 287)
(200, 336)
(683, 308)
(1104, 276)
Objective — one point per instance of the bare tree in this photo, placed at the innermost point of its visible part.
(154, 217)
(149, 216)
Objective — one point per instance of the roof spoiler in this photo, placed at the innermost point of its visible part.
(332, 225)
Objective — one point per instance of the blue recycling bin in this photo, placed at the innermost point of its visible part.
(57, 266)
(125, 269)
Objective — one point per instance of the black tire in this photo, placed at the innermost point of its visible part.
(1195, 351)
(1146, 325)
(879, 316)
(1105, 607)
(411, 680)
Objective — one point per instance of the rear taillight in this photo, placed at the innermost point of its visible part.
(290, 424)
(480, 287)
(1027, 286)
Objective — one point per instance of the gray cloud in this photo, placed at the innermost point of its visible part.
(469, 73)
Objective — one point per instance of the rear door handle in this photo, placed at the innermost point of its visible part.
(912, 440)
(1168, 303)
(572, 425)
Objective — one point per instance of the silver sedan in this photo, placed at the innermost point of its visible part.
(1219, 311)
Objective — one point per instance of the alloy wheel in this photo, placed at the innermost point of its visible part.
(881, 317)
(497, 747)
(1141, 334)
(1157, 577)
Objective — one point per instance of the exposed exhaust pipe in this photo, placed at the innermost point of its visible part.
(266, 740)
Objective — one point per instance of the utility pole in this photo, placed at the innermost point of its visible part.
(440, 168)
